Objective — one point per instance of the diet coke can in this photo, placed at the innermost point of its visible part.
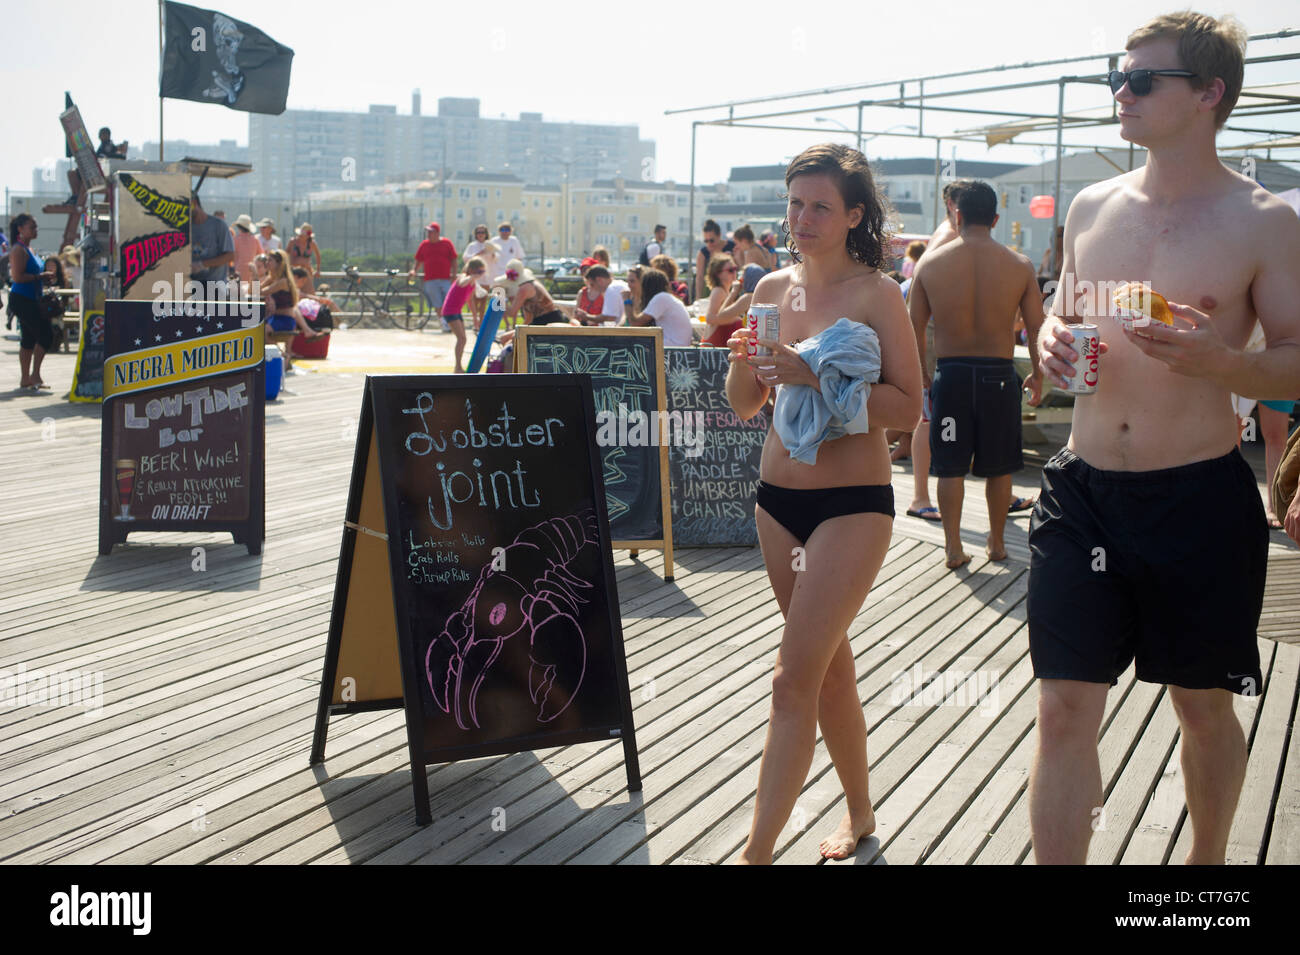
(765, 322)
(1087, 342)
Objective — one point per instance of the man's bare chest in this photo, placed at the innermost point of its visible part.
(1189, 257)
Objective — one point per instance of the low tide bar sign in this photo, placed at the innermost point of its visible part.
(183, 437)
(476, 587)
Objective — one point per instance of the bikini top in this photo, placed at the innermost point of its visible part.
(282, 299)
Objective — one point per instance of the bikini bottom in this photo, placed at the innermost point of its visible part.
(800, 510)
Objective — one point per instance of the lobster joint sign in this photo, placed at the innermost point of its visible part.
(476, 586)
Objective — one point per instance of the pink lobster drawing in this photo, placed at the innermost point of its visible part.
(535, 595)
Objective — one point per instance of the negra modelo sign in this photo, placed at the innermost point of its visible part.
(184, 412)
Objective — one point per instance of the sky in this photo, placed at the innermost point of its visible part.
(614, 62)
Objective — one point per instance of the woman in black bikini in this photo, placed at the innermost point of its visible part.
(824, 528)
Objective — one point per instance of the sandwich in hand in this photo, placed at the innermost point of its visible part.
(1137, 306)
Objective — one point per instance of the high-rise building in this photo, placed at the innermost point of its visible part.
(303, 151)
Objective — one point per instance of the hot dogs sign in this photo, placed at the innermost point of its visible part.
(153, 223)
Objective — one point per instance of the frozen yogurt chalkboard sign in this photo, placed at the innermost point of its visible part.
(476, 581)
(184, 421)
(626, 366)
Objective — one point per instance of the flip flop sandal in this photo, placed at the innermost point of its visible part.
(1021, 504)
(925, 513)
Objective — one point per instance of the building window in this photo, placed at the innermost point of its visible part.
(634, 222)
(460, 215)
(1024, 198)
(464, 192)
(498, 194)
(550, 203)
(482, 193)
(501, 215)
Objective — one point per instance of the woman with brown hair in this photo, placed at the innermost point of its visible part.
(833, 515)
(281, 295)
(659, 306)
(728, 300)
(301, 248)
(666, 265)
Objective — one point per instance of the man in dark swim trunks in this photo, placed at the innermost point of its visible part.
(1149, 542)
(973, 286)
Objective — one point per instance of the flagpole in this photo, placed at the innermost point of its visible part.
(160, 67)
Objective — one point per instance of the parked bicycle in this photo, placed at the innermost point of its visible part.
(388, 303)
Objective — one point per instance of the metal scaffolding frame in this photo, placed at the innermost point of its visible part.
(912, 95)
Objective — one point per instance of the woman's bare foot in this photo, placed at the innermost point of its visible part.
(958, 559)
(997, 551)
(842, 843)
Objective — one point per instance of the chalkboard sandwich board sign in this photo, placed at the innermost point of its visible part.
(88, 376)
(183, 438)
(476, 582)
(713, 478)
(633, 429)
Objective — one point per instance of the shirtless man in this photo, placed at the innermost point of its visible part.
(974, 285)
(1149, 539)
(916, 445)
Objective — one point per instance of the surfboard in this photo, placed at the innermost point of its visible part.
(487, 333)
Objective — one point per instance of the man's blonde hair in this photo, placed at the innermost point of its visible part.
(1207, 47)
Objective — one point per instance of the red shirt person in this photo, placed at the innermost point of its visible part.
(439, 258)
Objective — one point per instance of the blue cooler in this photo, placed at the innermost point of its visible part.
(274, 371)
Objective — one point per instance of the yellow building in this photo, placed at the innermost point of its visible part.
(621, 214)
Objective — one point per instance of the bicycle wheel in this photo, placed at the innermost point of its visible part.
(400, 311)
(348, 300)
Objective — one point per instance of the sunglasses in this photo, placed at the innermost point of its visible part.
(1139, 81)
(503, 230)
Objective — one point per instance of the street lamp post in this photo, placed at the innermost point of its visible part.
(564, 198)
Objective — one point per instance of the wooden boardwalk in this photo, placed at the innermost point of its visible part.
(210, 671)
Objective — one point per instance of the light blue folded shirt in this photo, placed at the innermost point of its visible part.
(846, 360)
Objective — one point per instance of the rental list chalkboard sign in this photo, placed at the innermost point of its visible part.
(476, 581)
(713, 481)
(626, 366)
(88, 376)
(183, 434)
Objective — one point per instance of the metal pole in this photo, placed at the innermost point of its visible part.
(160, 99)
(920, 111)
(691, 237)
(938, 199)
(1056, 194)
(859, 127)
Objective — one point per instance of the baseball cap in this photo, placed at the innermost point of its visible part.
(433, 225)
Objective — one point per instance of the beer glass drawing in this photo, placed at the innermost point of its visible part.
(124, 471)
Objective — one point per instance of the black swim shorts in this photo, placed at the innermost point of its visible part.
(1165, 567)
(975, 418)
